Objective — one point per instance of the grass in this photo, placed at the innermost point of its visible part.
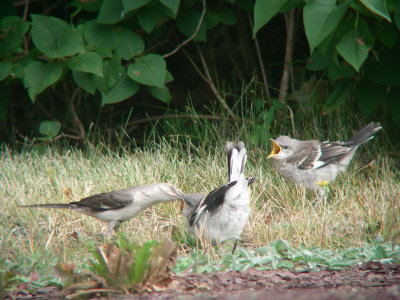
(363, 202)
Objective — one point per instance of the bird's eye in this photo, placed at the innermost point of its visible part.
(285, 147)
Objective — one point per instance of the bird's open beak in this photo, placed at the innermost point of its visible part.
(275, 149)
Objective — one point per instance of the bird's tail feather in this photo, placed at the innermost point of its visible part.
(365, 134)
(50, 205)
(237, 156)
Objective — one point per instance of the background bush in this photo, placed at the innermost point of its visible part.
(89, 70)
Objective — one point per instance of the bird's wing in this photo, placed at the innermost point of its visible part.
(211, 202)
(302, 152)
(106, 201)
(324, 154)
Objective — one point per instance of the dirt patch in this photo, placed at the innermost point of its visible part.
(371, 280)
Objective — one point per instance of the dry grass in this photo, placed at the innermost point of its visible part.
(363, 202)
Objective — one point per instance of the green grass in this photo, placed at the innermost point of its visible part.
(363, 202)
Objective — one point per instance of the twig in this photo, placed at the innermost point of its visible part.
(46, 12)
(26, 9)
(185, 42)
(74, 115)
(194, 65)
(212, 86)
(261, 64)
(283, 90)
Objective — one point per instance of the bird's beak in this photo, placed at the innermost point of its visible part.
(275, 149)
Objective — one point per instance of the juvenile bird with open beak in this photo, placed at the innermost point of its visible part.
(313, 164)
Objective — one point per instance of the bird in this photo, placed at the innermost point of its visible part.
(314, 164)
(122, 205)
(221, 214)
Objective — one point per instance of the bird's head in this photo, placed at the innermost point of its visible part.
(282, 147)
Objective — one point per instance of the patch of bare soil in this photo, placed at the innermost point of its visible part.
(371, 280)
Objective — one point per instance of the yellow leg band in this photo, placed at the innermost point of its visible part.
(323, 183)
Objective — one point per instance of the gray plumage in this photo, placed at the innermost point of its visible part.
(222, 214)
(313, 163)
(121, 205)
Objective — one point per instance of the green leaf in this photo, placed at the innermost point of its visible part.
(49, 128)
(100, 36)
(122, 90)
(317, 61)
(226, 16)
(377, 7)
(369, 96)
(282, 247)
(340, 95)
(88, 5)
(353, 49)
(54, 37)
(13, 30)
(133, 4)
(86, 81)
(111, 12)
(89, 62)
(131, 44)
(187, 22)
(5, 69)
(148, 18)
(265, 10)
(320, 18)
(173, 5)
(380, 252)
(112, 71)
(39, 75)
(162, 94)
(149, 70)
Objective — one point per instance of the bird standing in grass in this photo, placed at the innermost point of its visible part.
(121, 205)
(222, 214)
(313, 164)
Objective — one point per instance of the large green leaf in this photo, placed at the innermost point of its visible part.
(102, 38)
(265, 10)
(353, 49)
(49, 128)
(122, 90)
(173, 5)
(369, 96)
(39, 75)
(187, 22)
(112, 72)
(111, 12)
(397, 14)
(5, 69)
(13, 30)
(377, 7)
(86, 81)
(54, 37)
(148, 17)
(131, 44)
(149, 70)
(89, 62)
(320, 18)
(162, 94)
(133, 4)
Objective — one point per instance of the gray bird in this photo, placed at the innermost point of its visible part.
(222, 214)
(121, 205)
(312, 163)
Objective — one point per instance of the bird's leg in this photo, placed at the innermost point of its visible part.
(113, 225)
(234, 247)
